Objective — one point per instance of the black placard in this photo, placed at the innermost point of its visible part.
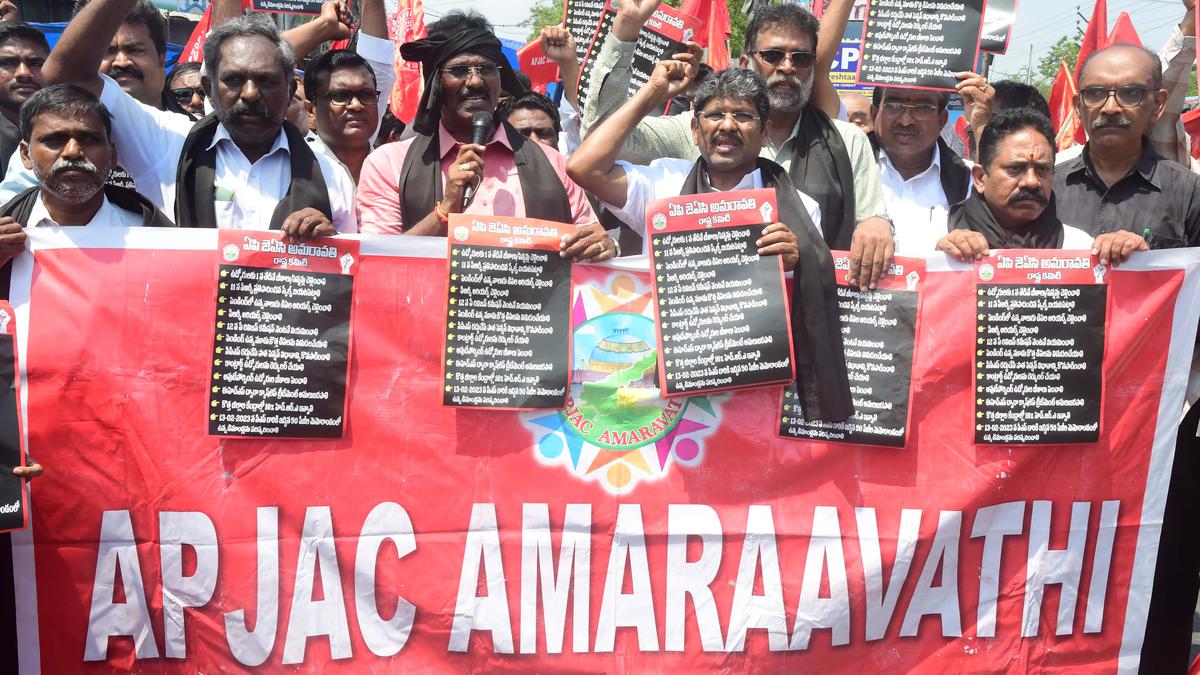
(998, 19)
(581, 18)
(663, 36)
(508, 323)
(589, 48)
(878, 336)
(311, 7)
(722, 308)
(12, 493)
(281, 348)
(1039, 352)
(920, 44)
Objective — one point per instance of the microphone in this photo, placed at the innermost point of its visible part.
(481, 128)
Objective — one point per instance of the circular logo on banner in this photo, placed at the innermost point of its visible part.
(659, 221)
(616, 429)
(461, 232)
(230, 252)
(987, 272)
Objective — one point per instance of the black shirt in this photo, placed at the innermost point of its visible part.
(10, 138)
(1157, 193)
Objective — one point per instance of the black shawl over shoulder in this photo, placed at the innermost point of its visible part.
(973, 214)
(421, 180)
(821, 167)
(954, 173)
(195, 192)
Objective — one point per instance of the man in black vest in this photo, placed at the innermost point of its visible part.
(412, 186)
(242, 166)
(729, 128)
(65, 142)
(921, 176)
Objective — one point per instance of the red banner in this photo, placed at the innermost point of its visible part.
(625, 534)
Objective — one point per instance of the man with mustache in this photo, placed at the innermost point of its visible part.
(242, 166)
(23, 50)
(412, 186)
(1012, 204)
(921, 175)
(1120, 182)
(828, 158)
(66, 142)
(729, 128)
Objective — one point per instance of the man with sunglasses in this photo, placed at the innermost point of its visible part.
(828, 158)
(413, 186)
(183, 85)
(1119, 182)
(922, 176)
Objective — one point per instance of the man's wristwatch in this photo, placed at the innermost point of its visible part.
(890, 222)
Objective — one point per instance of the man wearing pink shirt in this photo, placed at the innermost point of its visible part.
(412, 187)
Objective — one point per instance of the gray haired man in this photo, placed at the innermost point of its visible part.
(242, 166)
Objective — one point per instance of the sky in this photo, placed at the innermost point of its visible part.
(1040, 23)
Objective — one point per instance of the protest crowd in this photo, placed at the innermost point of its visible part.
(277, 130)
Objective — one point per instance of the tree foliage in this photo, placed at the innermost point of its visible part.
(1066, 49)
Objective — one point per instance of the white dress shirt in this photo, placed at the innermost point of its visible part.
(149, 144)
(109, 215)
(664, 178)
(918, 206)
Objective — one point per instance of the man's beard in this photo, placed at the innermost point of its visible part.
(71, 194)
(789, 101)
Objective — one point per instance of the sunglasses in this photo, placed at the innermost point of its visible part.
(775, 57)
(1127, 97)
(183, 95)
(341, 98)
(486, 71)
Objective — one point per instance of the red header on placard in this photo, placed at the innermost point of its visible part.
(904, 274)
(1033, 266)
(507, 231)
(673, 24)
(718, 209)
(268, 250)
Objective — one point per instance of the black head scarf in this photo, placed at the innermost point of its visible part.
(974, 214)
(435, 50)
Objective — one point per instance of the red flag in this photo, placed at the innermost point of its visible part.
(960, 130)
(406, 24)
(1123, 32)
(715, 15)
(193, 51)
(1062, 112)
(1096, 37)
(534, 63)
(1191, 124)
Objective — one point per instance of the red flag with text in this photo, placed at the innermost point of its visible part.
(660, 535)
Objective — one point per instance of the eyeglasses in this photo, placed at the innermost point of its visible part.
(741, 118)
(341, 98)
(775, 57)
(183, 95)
(487, 71)
(922, 111)
(1127, 97)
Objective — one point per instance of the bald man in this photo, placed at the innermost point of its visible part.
(858, 110)
(1119, 182)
